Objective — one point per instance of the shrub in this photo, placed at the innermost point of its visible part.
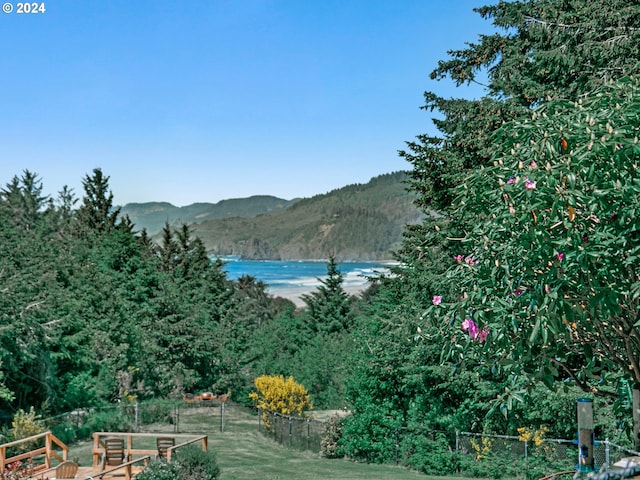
(329, 443)
(369, 435)
(502, 464)
(112, 420)
(195, 464)
(432, 456)
(66, 432)
(191, 464)
(276, 394)
(160, 470)
(26, 424)
(17, 471)
(544, 459)
(156, 412)
(488, 465)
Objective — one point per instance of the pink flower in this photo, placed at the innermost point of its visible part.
(529, 185)
(458, 258)
(511, 180)
(470, 260)
(482, 335)
(533, 164)
(471, 327)
(518, 291)
(436, 300)
(474, 331)
(559, 256)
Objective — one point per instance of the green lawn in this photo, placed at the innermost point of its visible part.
(245, 454)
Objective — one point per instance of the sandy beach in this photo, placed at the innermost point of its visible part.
(294, 293)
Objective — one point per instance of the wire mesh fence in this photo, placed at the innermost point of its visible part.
(605, 453)
(296, 432)
(173, 416)
(307, 433)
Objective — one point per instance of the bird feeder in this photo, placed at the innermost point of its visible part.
(585, 435)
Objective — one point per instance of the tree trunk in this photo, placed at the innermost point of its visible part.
(636, 418)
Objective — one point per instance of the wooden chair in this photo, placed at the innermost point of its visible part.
(163, 444)
(67, 469)
(114, 452)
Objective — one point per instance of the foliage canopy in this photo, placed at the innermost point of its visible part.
(555, 244)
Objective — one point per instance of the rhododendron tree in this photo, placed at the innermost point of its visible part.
(555, 243)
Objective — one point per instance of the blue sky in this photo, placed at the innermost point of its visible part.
(206, 100)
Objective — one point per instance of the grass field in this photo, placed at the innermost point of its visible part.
(243, 453)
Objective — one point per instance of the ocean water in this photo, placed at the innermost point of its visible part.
(300, 274)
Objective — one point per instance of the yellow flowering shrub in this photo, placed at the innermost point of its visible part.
(483, 448)
(528, 434)
(277, 394)
(26, 424)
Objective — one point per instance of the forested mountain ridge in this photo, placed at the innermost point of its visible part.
(154, 215)
(355, 222)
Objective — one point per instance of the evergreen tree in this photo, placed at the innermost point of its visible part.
(29, 296)
(64, 209)
(97, 212)
(22, 200)
(168, 249)
(545, 49)
(329, 306)
(192, 258)
(194, 300)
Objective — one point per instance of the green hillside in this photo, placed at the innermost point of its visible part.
(153, 215)
(356, 222)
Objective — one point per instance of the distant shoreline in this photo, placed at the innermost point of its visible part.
(295, 293)
(239, 258)
(294, 279)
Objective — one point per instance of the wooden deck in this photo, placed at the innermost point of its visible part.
(48, 451)
(92, 473)
(86, 473)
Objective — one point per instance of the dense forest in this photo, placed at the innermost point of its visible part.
(94, 312)
(520, 297)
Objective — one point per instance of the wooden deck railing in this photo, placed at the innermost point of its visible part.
(126, 466)
(47, 450)
(133, 450)
(49, 446)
